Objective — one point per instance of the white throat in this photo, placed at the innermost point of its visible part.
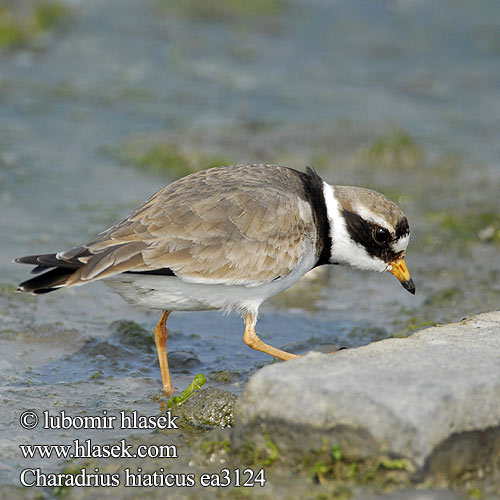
(344, 249)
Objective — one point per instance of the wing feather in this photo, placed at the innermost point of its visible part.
(241, 224)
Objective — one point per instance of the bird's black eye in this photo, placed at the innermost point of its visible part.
(381, 235)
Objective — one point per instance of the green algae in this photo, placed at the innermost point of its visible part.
(208, 447)
(11, 33)
(330, 467)
(50, 15)
(7, 289)
(475, 494)
(466, 227)
(196, 384)
(273, 450)
(224, 376)
(9, 292)
(451, 296)
(18, 31)
(207, 408)
(166, 158)
(367, 333)
(413, 324)
(396, 149)
(133, 334)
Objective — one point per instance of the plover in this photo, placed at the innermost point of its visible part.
(229, 238)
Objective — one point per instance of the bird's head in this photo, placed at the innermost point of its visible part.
(368, 231)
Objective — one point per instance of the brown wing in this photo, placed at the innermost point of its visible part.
(242, 224)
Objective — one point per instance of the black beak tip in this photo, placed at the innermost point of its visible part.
(409, 285)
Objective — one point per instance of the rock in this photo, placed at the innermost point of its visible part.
(183, 361)
(206, 408)
(432, 398)
(131, 334)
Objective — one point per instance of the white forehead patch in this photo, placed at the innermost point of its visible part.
(368, 215)
(400, 244)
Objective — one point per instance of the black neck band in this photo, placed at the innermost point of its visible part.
(313, 188)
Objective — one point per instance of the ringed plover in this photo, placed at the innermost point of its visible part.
(229, 238)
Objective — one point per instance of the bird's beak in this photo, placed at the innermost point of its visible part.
(399, 269)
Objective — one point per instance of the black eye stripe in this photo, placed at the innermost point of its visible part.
(402, 229)
(362, 232)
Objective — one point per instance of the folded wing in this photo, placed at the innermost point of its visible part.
(236, 225)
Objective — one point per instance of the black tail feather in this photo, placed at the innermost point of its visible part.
(55, 272)
(46, 282)
(39, 269)
(50, 260)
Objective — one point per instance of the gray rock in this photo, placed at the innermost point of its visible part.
(432, 398)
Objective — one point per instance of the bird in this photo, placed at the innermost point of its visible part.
(229, 238)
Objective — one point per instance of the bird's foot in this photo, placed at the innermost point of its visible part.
(168, 391)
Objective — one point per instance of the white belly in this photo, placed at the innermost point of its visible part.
(174, 294)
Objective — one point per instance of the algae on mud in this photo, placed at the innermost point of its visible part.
(19, 26)
(165, 158)
(207, 408)
(131, 333)
(396, 150)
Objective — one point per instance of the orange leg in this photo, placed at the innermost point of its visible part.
(251, 339)
(161, 335)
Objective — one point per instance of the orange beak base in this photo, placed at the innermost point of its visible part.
(399, 269)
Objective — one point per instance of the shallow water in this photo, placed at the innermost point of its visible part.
(122, 68)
